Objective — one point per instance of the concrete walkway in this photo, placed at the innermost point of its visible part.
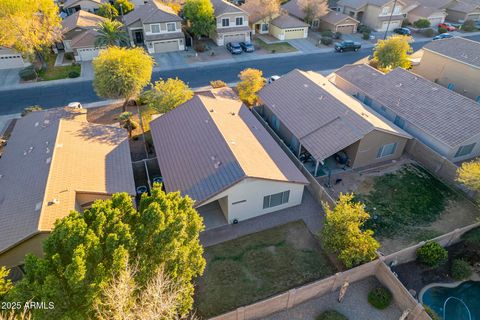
(309, 211)
(9, 77)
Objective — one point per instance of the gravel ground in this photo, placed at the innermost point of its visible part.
(355, 306)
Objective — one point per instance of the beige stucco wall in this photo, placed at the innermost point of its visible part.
(232, 17)
(87, 5)
(277, 32)
(444, 71)
(16, 255)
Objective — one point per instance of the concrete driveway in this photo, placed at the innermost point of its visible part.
(9, 77)
(304, 45)
(170, 60)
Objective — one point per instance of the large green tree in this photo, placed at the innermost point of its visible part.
(5, 284)
(29, 26)
(251, 81)
(121, 73)
(107, 10)
(343, 233)
(85, 251)
(392, 53)
(111, 33)
(167, 95)
(469, 174)
(200, 16)
(124, 6)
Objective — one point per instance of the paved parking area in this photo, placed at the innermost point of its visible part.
(9, 77)
(170, 60)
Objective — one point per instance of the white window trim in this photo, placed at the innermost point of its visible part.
(243, 21)
(458, 155)
(380, 153)
(159, 28)
(174, 25)
(221, 22)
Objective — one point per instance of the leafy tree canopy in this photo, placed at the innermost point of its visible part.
(251, 81)
(121, 73)
(107, 10)
(167, 95)
(393, 53)
(259, 9)
(29, 26)
(123, 5)
(313, 9)
(343, 234)
(5, 285)
(469, 174)
(111, 33)
(87, 250)
(200, 16)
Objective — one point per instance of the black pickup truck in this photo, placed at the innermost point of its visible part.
(347, 46)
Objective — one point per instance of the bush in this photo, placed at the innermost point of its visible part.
(327, 34)
(337, 35)
(326, 41)
(431, 313)
(469, 26)
(428, 32)
(422, 23)
(363, 28)
(472, 238)
(68, 55)
(406, 23)
(74, 74)
(331, 315)
(27, 110)
(366, 35)
(380, 298)
(200, 47)
(442, 30)
(28, 73)
(218, 84)
(432, 254)
(461, 269)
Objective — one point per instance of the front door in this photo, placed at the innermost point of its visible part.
(138, 37)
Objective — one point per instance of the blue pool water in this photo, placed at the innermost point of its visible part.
(458, 303)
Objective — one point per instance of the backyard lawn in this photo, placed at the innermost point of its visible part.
(55, 73)
(410, 205)
(278, 47)
(254, 267)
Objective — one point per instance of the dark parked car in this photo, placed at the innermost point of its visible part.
(402, 31)
(234, 48)
(443, 36)
(347, 46)
(247, 46)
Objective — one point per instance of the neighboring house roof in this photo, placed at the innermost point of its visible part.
(441, 113)
(286, 21)
(213, 141)
(324, 119)
(357, 4)
(71, 3)
(85, 39)
(293, 8)
(81, 19)
(424, 11)
(51, 157)
(464, 6)
(334, 18)
(151, 12)
(222, 7)
(457, 48)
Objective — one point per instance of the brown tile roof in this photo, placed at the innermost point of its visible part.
(334, 18)
(286, 21)
(56, 154)
(441, 113)
(151, 12)
(323, 118)
(357, 4)
(85, 39)
(222, 7)
(464, 6)
(213, 141)
(457, 48)
(81, 19)
(423, 11)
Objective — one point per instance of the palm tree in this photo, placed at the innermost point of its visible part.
(111, 33)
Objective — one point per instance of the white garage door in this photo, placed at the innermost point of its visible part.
(240, 37)
(166, 46)
(87, 54)
(10, 61)
(436, 21)
(346, 28)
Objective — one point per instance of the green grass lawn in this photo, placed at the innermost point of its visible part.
(55, 73)
(405, 199)
(254, 267)
(279, 47)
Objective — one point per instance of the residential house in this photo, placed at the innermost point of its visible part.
(213, 149)
(282, 26)
(231, 23)
(461, 10)
(425, 9)
(325, 128)
(453, 63)
(79, 34)
(333, 20)
(442, 119)
(72, 6)
(376, 14)
(10, 59)
(55, 162)
(155, 26)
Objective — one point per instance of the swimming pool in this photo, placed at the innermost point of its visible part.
(461, 302)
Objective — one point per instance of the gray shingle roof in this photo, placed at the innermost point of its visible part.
(222, 7)
(151, 12)
(441, 113)
(324, 119)
(286, 21)
(461, 49)
(212, 142)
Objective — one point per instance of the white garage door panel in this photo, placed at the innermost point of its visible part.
(166, 46)
(87, 54)
(11, 61)
(234, 38)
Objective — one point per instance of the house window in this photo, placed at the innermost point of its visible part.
(464, 150)
(225, 22)
(368, 101)
(386, 150)
(315, 23)
(451, 86)
(239, 21)
(396, 10)
(385, 11)
(276, 199)
(264, 27)
(399, 121)
(155, 28)
(171, 27)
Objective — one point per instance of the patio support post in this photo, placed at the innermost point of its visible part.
(316, 168)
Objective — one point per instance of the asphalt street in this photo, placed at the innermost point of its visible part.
(14, 101)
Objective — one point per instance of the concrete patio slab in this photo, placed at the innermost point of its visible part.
(212, 215)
